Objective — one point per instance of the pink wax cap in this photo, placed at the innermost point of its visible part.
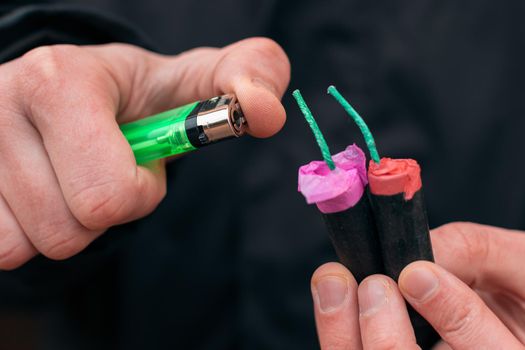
(393, 176)
(335, 190)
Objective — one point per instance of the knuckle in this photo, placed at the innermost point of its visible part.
(102, 205)
(200, 51)
(382, 340)
(450, 227)
(59, 240)
(118, 47)
(62, 247)
(470, 235)
(459, 227)
(457, 319)
(11, 255)
(45, 71)
(269, 51)
(6, 82)
(9, 97)
(273, 52)
(45, 63)
(335, 340)
(267, 45)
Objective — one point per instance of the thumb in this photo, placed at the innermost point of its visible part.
(454, 310)
(484, 257)
(257, 70)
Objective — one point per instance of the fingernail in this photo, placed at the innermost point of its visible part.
(265, 85)
(372, 295)
(331, 292)
(419, 283)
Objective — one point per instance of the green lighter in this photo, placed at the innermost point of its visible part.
(185, 129)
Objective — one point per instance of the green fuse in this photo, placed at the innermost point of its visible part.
(185, 129)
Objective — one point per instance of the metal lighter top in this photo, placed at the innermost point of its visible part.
(216, 119)
(186, 128)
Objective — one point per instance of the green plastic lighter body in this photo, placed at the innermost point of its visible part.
(185, 128)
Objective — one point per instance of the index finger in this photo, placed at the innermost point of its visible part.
(484, 257)
(383, 316)
(257, 70)
(334, 292)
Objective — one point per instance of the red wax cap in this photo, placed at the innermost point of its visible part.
(393, 176)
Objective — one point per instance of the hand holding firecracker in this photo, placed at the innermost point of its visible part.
(473, 296)
(383, 233)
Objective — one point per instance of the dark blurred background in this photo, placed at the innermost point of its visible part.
(225, 261)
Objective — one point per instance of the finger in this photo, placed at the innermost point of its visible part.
(30, 188)
(482, 256)
(15, 248)
(454, 310)
(93, 162)
(334, 292)
(257, 70)
(383, 316)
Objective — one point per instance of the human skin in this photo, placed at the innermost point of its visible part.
(67, 173)
(474, 296)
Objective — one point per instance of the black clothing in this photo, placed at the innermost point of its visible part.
(228, 267)
(26, 27)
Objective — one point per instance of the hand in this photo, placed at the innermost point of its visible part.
(66, 171)
(474, 298)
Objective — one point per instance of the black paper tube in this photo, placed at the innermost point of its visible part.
(402, 226)
(403, 231)
(354, 236)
